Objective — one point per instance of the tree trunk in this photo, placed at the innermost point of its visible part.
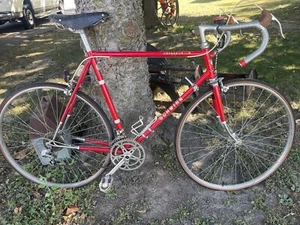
(150, 16)
(127, 78)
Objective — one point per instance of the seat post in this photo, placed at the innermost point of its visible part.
(84, 40)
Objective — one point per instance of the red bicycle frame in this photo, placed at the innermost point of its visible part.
(209, 74)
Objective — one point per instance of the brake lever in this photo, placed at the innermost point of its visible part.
(280, 27)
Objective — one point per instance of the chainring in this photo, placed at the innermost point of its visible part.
(131, 150)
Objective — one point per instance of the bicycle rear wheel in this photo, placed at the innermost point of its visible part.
(260, 119)
(28, 120)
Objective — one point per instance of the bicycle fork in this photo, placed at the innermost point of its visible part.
(218, 88)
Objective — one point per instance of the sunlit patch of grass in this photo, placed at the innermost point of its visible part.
(56, 80)
(18, 110)
(2, 91)
(12, 73)
(295, 104)
(33, 54)
(43, 40)
(291, 67)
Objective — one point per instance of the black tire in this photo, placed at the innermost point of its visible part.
(251, 145)
(28, 18)
(29, 118)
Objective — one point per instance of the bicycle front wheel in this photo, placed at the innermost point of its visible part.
(260, 136)
(28, 121)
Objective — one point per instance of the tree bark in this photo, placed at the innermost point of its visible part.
(150, 16)
(127, 78)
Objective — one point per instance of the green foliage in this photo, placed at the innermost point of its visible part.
(182, 212)
(204, 221)
(112, 193)
(35, 204)
(296, 187)
(285, 200)
(259, 203)
(239, 222)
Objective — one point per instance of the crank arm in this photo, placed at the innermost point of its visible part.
(106, 181)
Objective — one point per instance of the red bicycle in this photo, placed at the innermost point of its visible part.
(233, 135)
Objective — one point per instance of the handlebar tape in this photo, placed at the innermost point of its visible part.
(265, 18)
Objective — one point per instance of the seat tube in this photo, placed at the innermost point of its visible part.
(107, 96)
(103, 86)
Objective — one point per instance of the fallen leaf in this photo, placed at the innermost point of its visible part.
(20, 155)
(66, 218)
(36, 194)
(17, 210)
(83, 216)
(142, 211)
(197, 165)
(71, 209)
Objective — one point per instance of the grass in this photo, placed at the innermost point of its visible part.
(25, 203)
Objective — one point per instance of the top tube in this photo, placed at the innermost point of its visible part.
(150, 54)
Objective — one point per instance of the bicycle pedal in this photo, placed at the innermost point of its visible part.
(106, 183)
